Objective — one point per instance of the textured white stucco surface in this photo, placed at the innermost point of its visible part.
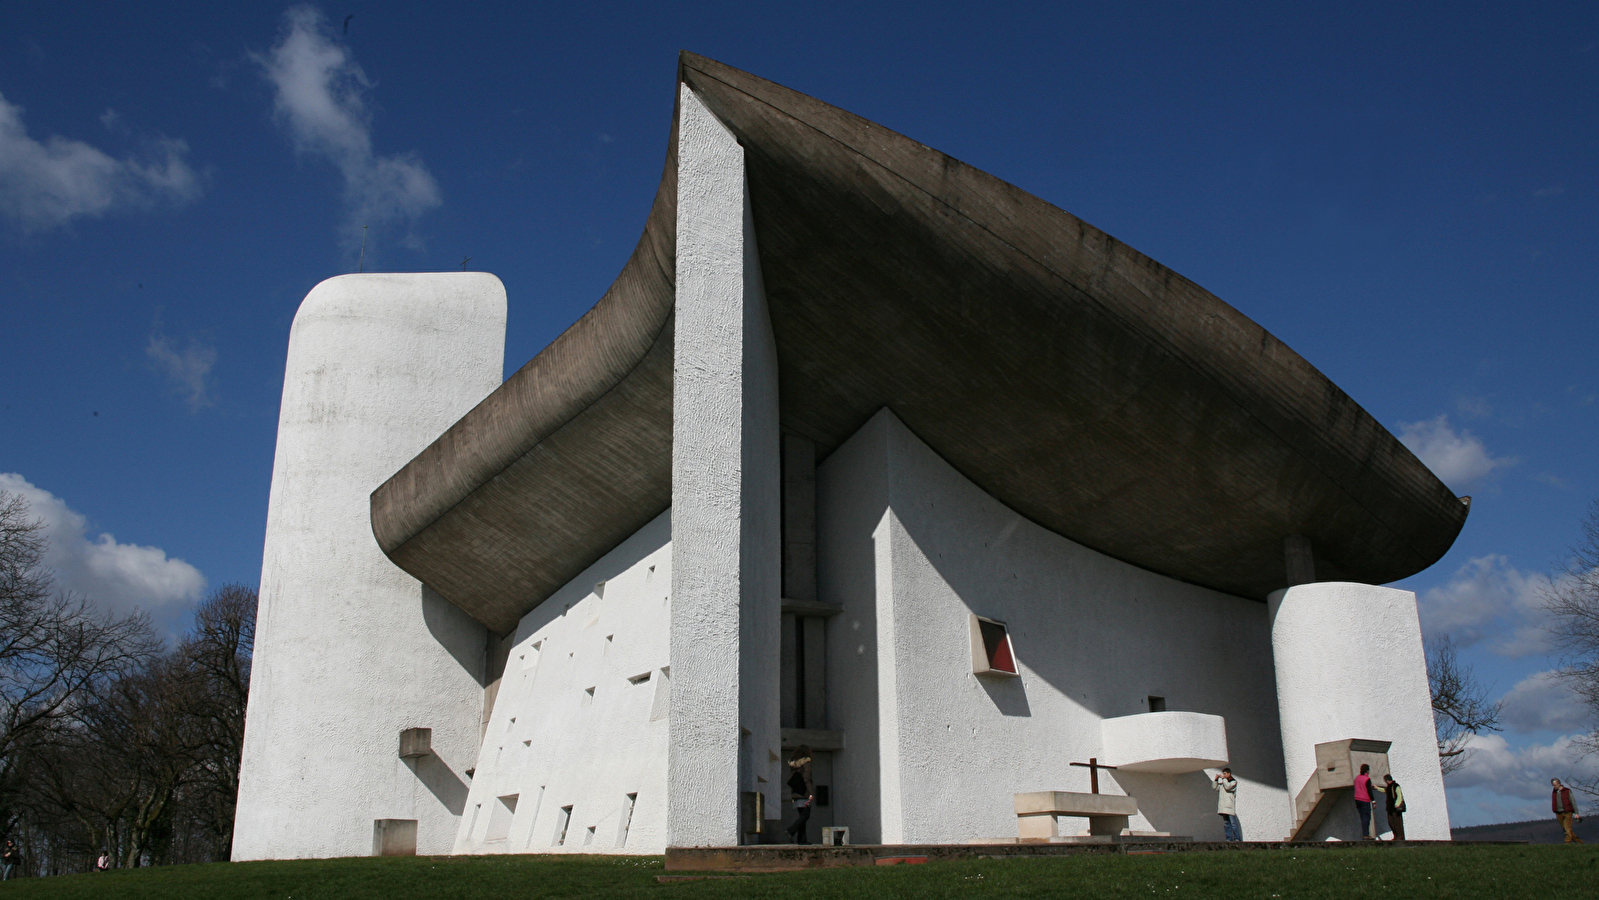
(1350, 664)
(726, 495)
(580, 719)
(909, 548)
(350, 650)
(1166, 743)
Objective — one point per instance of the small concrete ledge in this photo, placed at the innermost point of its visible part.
(1165, 743)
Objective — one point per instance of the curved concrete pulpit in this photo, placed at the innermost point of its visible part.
(1165, 743)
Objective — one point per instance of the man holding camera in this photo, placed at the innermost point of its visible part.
(1227, 805)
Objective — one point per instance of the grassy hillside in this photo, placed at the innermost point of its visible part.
(1344, 874)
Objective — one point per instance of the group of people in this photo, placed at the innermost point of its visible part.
(802, 793)
(1393, 799)
(1226, 787)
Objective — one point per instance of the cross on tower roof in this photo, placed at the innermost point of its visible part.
(1093, 766)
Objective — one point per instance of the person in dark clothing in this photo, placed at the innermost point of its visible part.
(1396, 806)
(10, 858)
(802, 790)
(1565, 810)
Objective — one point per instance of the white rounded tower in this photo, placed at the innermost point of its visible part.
(1350, 665)
(350, 650)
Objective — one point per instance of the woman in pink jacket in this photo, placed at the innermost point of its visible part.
(1363, 801)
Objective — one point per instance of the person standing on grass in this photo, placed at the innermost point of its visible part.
(1227, 805)
(1396, 806)
(103, 863)
(1363, 801)
(802, 790)
(1564, 809)
(10, 858)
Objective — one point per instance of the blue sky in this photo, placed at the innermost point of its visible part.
(1404, 194)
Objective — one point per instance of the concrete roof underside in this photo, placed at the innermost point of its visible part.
(1093, 390)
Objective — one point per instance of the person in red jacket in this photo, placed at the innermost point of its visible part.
(1363, 801)
(1565, 810)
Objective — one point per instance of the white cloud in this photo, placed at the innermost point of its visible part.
(1489, 600)
(1523, 772)
(189, 369)
(118, 576)
(1458, 458)
(47, 184)
(320, 94)
(1544, 701)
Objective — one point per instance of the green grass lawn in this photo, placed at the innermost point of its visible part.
(1543, 872)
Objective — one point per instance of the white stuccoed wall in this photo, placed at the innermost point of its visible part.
(552, 744)
(350, 650)
(934, 753)
(726, 498)
(1350, 664)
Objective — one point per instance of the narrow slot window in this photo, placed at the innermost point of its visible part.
(630, 801)
(538, 803)
(661, 705)
(561, 821)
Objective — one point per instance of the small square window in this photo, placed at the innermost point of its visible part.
(991, 648)
(1157, 704)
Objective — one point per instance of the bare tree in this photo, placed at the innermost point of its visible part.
(217, 655)
(1572, 600)
(54, 646)
(57, 649)
(1460, 707)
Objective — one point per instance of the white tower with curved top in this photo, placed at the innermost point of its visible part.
(350, 650)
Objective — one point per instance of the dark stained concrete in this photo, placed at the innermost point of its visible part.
(1090, 388)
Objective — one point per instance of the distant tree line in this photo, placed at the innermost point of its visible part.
(110, 741)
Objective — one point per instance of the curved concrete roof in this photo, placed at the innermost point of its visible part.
(1095, 391)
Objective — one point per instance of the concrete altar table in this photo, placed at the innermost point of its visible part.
(1038, 813)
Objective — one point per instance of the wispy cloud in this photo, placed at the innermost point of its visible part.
(1474, 407)
(46, 184)
(1489, 600)
(188, 369)
(118, 576)
(1458, 458)
(320, 98)
(1554, 481)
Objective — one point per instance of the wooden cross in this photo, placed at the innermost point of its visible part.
(1093, 768)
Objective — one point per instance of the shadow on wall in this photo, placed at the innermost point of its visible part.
(439, 778)
(1175, 803)
(463, 636)
(1009, 695)
(1087, 649)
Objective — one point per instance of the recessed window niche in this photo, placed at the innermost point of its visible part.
(500, 818)
(991, 648)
